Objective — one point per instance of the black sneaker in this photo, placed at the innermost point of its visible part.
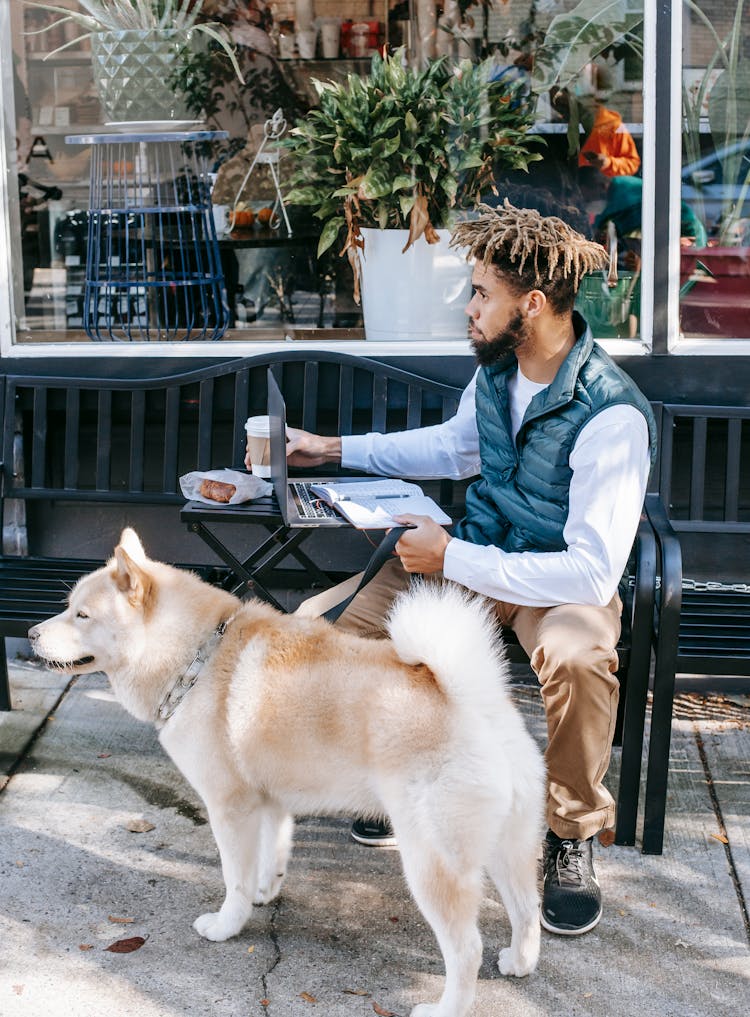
(373, 833)
(571, 899)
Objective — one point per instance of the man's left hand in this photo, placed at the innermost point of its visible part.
(422, 549)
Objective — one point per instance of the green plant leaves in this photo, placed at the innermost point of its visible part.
(399, 133)
(573, 40)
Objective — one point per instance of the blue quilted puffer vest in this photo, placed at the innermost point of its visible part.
(520, 503)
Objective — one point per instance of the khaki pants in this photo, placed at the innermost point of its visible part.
(572, 651)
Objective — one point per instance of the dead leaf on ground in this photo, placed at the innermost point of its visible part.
(85, 946)
(381, 1012)
(139, 825)
(720, 837)
(307, 997)
(265, 1002)
(606, 838)
(120, 921)
(126, 945)
(103, 755)
(356, 992)
(251, 949)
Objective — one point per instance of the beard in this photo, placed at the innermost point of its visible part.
(493, 349)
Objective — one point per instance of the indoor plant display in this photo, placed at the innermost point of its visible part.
(403, 149)
(136, 47)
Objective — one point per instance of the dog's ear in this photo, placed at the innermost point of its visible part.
(131, 579)
(131, 542)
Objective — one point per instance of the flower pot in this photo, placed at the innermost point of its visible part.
(420, 294)
(132, 71)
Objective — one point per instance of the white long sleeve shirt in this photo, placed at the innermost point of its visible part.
(610, 464)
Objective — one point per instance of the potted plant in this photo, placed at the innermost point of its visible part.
(136, 48)
(387, 160)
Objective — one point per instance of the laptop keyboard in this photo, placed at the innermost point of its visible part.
(309, 505)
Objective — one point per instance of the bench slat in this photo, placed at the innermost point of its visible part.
(72, 438)
(104, 440)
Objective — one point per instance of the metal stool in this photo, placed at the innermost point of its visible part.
(153, 271)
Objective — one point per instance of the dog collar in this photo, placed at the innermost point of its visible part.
(185, 682)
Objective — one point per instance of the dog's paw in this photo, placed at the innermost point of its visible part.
(269, 889)
(509, 964)
(215, 927)
(425, 1010)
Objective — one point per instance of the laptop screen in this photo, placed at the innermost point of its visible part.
(277, 424)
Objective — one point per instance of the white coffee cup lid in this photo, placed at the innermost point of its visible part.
(258, 426)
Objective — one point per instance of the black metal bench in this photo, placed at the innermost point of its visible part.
(700, 627)
(115, 441)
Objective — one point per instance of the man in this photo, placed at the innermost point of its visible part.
(562, 442)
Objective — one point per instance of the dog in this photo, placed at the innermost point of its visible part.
(268, 715)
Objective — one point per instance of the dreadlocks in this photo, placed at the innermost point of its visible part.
(531, 251)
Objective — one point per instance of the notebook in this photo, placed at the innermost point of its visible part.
(310, 501)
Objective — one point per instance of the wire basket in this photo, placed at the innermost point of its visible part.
(153, 268)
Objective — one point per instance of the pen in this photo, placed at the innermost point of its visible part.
(376, 497)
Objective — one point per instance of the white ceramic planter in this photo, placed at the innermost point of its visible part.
(417, 295)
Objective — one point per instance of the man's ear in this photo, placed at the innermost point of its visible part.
(131, 579)
(535, 302)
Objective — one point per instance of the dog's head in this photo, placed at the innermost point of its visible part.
(106, 612)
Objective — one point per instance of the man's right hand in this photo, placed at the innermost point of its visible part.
(306, 449)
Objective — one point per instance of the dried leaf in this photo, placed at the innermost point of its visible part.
(139, 825)
(120, 921)
(126, 945)
(104, 755)
(265, 1002)
(393, 919)
(720, 837)
(250, 949)
(307, 997)
(382, 1013)
(356, 992)
(85, 946)
(606, 838)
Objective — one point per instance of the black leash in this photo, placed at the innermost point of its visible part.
(380, 556)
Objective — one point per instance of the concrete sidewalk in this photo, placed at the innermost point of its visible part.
(344, 938)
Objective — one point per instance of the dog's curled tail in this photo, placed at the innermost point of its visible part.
(453, 632)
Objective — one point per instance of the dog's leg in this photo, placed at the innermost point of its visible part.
(448, 896)
(276, 830)
(236, 828)
(513, 869)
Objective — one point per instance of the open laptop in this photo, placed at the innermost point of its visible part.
(299, 505)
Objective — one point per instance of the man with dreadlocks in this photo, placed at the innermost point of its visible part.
(562, 441)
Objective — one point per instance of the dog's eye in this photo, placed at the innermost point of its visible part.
(81, 614)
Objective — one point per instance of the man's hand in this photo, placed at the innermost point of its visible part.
(597, 159)
(422, 549)
(306, 449)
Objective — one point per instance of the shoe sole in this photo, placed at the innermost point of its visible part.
(379, 842)
(569, 932)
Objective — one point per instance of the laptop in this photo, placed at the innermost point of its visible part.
(298, 504)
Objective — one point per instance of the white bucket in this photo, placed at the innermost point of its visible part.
(421, 294)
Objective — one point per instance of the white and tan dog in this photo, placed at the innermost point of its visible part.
(268, 715)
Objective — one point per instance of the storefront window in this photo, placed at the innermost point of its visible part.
(715, 252)
(576, 66)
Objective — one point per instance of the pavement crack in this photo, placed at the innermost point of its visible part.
(35, 735)
(276, 960)
(716, 805)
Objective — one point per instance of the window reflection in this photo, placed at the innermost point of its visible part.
(588, 109)
(715, 180)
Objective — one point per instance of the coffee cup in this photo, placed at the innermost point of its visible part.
(330, 38)
(257, 430)
(306, 41)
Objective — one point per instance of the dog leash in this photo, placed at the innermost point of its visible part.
(380, 555)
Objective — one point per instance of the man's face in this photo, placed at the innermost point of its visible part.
(498, 325)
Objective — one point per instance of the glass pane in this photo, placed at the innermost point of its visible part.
(576, 67)
(586, 71)
(715, 220)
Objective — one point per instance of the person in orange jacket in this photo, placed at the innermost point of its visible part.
(610, 146)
